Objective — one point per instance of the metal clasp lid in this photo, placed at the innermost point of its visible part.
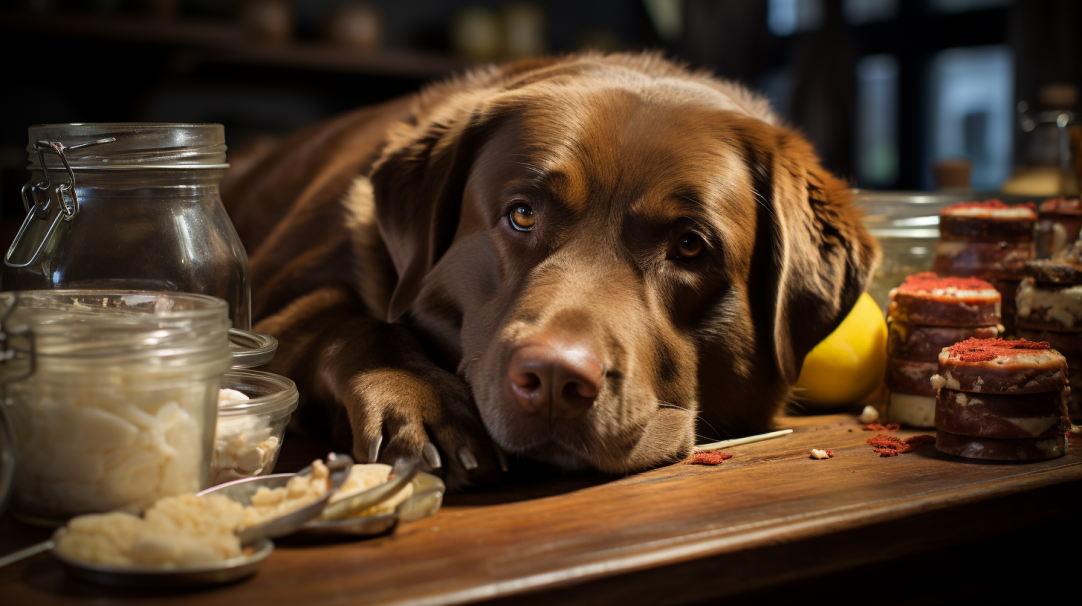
(63, 193)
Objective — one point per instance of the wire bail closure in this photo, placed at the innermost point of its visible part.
(62, 193)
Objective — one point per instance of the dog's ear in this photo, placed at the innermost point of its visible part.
(418, 184)
(813, 257)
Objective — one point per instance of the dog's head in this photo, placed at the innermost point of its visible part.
(609, 248)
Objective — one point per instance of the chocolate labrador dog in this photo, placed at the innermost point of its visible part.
(573, 260)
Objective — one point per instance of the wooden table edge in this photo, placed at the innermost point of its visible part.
(708, 544)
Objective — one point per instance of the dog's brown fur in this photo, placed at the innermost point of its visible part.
(384, 261)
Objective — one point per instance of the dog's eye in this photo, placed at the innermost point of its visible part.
(689, 247)
(522, 217)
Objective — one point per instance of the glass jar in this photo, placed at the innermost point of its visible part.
(120, 405)
(129, 206)
(250, 432)
(906, 224)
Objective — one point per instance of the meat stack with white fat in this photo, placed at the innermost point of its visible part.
(1049, 305)
(1059, 221)
(989, 240)
(926, 314)
(1001, 400)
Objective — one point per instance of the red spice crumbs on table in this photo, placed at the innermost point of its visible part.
(881, 427)
(890, 446)
(709, 458)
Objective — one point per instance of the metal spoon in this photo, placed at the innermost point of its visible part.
(289, 523)
(403, 471)
(338, 464)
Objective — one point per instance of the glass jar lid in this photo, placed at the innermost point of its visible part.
(250, 349)
(269, 395)
(114, 325)
(128, 146)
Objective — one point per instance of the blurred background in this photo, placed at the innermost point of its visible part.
(885, 89)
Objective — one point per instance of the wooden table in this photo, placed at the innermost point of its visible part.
(767, 523)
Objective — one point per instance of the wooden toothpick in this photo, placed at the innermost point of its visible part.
(739, 441)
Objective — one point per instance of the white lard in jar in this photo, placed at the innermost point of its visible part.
(121, 408)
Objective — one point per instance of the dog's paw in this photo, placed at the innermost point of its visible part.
(430, 416)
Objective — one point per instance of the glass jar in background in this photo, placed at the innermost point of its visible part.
(129, 206)
(906, 224)
(120, 404)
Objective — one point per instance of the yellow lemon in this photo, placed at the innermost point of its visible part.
(850, 363)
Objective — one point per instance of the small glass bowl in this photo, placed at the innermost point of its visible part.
(250, 432)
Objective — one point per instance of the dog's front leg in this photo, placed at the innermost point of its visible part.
(372, 385)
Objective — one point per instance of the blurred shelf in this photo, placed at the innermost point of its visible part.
(224, 42)
(327, 58)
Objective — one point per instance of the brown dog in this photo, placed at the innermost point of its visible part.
(574, 258)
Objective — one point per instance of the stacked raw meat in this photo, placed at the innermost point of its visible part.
(926, 314)
(1059, 221)
(1001, 400)
(1049, 304)
(988, 240)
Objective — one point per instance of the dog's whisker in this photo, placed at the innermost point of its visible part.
(712, 428)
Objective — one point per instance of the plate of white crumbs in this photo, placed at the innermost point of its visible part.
(372, 500)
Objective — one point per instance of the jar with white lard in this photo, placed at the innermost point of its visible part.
(120, 406)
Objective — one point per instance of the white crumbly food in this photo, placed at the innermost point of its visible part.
(911, 410)
(243, 445)
(869, 415)
(189, 531)
(185, 530)
(302, 490)
(230, 395)
(1019, 212)
(945, 380)
(270, 503)
(988, 294)
(1061, 305)
(104, 442)
(1033, 426)
(363, 477)
(819, 454)
(177, 532)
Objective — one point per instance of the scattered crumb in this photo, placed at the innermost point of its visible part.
(822, 454)
(869, 415)
(890, 446)
(709, 458)
(881, 427)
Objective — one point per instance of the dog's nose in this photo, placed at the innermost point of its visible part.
(563, 379)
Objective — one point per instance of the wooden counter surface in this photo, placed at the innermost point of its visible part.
(681, 534)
